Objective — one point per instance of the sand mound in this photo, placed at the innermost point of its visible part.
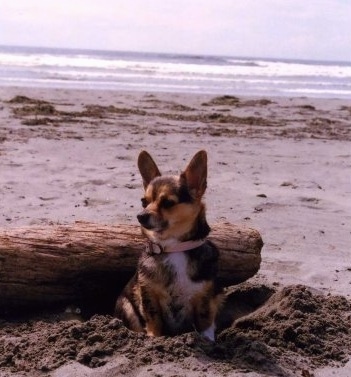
(293, 329)
(276, 331)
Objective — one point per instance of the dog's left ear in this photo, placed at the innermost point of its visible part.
(195, 175)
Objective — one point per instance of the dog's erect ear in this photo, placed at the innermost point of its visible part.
(147, 167)
(195, 175)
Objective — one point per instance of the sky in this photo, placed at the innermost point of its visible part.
(298, 29)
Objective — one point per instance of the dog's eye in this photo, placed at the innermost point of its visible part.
(167, 203)
(144, 202)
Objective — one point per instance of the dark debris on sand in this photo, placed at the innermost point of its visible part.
(261, 118)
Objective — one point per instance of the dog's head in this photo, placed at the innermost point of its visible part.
(172, 204)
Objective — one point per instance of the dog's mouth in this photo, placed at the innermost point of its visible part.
(151, 222)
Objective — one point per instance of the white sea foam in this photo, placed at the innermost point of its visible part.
(114, 70)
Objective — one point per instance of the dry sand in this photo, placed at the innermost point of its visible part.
(279, 165)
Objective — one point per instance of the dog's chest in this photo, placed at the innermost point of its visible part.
(181, 285)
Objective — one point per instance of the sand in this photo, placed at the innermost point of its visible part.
(280, 165)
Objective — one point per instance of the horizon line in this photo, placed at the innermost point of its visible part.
(187, 54)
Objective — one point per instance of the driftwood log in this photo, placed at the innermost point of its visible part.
(87, 263)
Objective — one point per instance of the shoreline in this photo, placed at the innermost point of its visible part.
(11, 90)
(215, 75)
(280, 165)
(168, 92)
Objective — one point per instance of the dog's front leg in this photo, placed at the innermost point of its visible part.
(205, 312)
(152, 312)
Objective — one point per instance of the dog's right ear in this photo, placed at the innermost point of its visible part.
(147, 167)
(195, 175)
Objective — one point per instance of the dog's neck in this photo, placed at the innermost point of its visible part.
(172, 246)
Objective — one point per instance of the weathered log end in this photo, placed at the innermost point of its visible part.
(240, 252)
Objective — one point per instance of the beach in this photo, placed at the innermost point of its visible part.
(280, 165)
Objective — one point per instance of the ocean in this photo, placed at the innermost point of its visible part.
(114, 70)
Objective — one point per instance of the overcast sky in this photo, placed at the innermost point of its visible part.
(305, 29)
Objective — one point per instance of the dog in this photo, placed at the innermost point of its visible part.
(174, 289)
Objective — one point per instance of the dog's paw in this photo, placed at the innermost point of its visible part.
(211, 348)
(209, 334)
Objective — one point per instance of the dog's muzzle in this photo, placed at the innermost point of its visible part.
(144, 219)
(150, 221)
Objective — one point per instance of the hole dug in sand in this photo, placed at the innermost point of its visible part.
(262, 329)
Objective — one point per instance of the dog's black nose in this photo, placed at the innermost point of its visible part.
(143, 218)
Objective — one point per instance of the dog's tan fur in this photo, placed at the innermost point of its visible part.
(173, 292)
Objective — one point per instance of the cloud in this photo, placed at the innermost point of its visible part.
(317, 29)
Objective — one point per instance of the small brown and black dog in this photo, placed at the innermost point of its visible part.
(174, 289)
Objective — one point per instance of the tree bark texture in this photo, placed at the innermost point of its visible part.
(45, 266)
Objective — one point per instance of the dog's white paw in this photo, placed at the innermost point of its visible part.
(209, 333)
